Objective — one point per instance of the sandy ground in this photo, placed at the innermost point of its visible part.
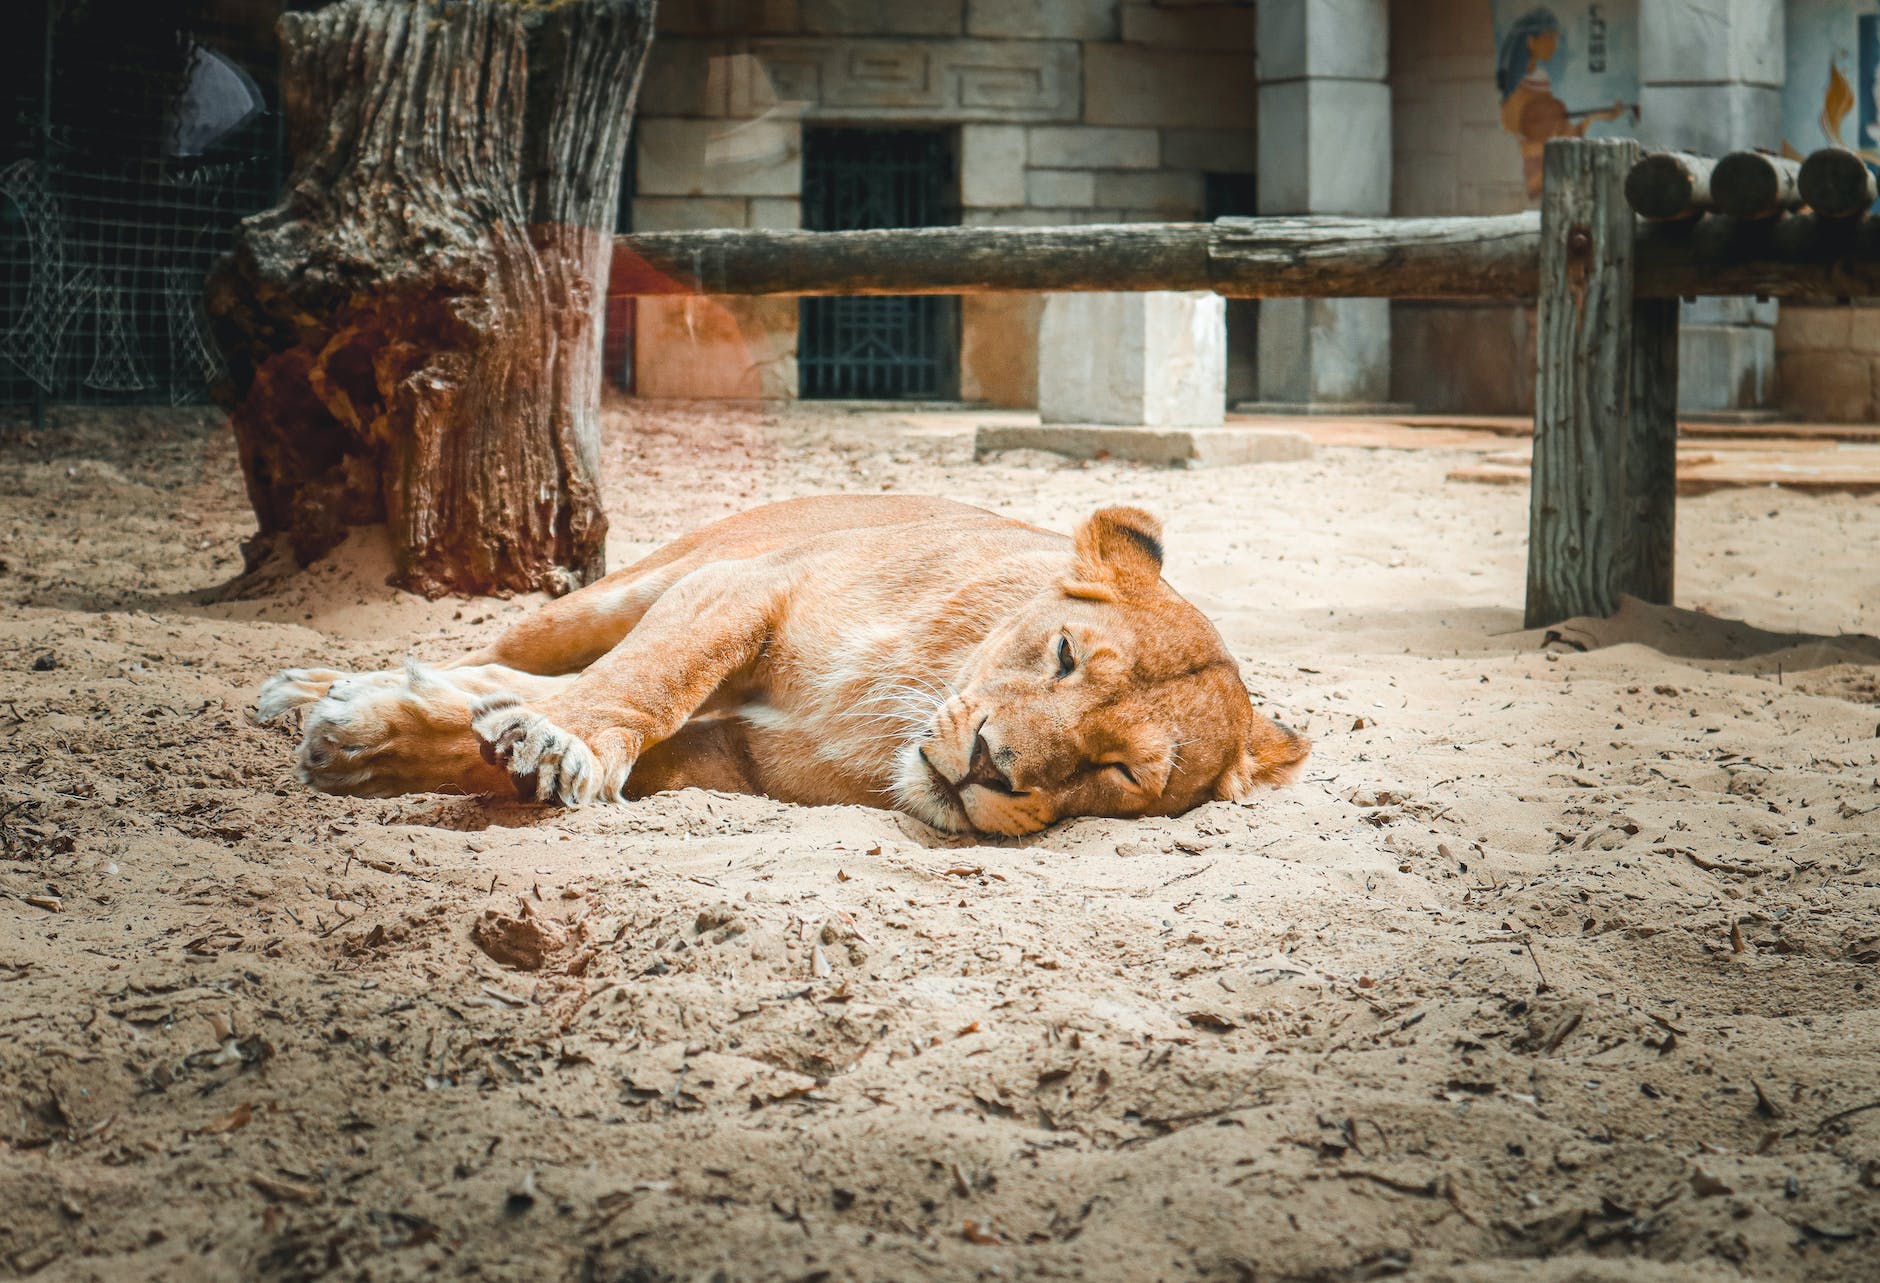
(1561, 950)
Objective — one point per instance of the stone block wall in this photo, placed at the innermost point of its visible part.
(1452, 156)
(1065, 111)
(1828, 359)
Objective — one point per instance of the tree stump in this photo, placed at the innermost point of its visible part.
(414, 332)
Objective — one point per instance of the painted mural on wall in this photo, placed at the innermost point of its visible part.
(1831, 97)
(1565, 70)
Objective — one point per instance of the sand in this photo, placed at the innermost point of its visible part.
(1565, 947)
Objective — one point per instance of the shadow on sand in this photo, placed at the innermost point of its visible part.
(1712, 642)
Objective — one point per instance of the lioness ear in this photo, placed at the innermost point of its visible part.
(1272, 755)
(1120, 546)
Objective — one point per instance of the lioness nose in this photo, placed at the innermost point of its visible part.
(983, 771)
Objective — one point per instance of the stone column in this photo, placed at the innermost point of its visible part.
(1710, 82)
(1155, 359)
(1138, 376)
(1325, 143)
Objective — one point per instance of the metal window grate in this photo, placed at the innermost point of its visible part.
(890, 347)
(139, 132)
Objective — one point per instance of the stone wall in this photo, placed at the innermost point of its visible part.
(1066, 111)
(1452, 156)
(1828, 362)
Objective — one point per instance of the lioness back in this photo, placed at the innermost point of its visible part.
(983, 673)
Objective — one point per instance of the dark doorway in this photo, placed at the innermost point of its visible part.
(1233, 196)
(889, 348)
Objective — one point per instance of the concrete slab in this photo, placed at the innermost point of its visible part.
(1327, 409)
(1201, 447)
(1828, 468)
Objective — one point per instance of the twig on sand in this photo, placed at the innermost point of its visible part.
(1192, 873)
(1845, 1114)
(1426, 1189)
(1724, 866)
(1527, 942)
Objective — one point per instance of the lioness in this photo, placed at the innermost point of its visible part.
(976, 672)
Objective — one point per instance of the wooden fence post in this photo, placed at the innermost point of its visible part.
(1604, 492)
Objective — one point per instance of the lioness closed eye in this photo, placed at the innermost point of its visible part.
(973, 671)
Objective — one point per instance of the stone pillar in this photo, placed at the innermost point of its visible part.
(1710, 81)
(1325, 141)
(1136, 360)
(1138, 376)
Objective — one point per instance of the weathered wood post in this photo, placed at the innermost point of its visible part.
(1604, 492)
(413, 333)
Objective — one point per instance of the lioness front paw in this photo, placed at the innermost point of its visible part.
(384, 734)
(544, 761)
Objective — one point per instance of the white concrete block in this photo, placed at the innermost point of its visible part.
(992, 166)
(1710, 119)
(1136, 359)
(1325, 350)
(719, 157)
(1711, 41)
(1043, 19)
(1726, 367)
(1088, 147)
(1349, 39)
(1061, 187)
(1325, 147)
(1187, 358)
(1138, 85)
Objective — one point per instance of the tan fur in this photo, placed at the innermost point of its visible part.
(975, 672)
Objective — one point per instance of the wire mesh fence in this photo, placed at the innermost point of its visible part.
(137, 133)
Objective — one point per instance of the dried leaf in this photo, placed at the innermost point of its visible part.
(1209, 1020)
(234, 1120)
(284, 1191)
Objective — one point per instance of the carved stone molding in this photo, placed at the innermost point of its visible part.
(926, 80)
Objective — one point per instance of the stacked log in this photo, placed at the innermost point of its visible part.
(1751, 186)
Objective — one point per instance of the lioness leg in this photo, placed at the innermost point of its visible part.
(705, 754)
(569, 633)
(581, 743)
(369, 737)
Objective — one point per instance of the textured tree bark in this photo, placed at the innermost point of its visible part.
(1603, 500)
(414, 332)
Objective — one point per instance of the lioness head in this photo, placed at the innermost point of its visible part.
(1108, 695)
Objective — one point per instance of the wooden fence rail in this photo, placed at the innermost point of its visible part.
(1606, 283)
(1496, 258)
